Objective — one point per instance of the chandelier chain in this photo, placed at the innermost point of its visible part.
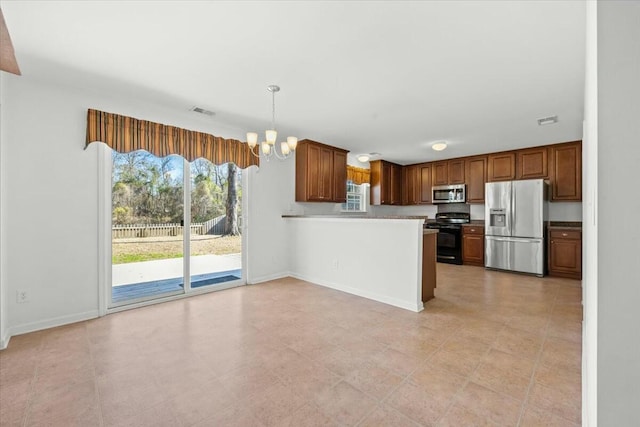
(273, 110)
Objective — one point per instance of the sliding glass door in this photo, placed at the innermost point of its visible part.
(170, 227)
(216, 242)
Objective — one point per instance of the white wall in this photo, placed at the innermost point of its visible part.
(50, 204)
(374, 258)
(271, 193)
(50, 194)
(618, 232)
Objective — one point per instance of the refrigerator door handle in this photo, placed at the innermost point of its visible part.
(512, 226)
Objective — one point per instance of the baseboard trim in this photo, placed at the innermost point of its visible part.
(4, 340)
(269, 277)
(407, 305)
(52, 323)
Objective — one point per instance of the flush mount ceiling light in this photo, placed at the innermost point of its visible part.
(365, 157)
(268, 147)
(547, 120)
(439, 146)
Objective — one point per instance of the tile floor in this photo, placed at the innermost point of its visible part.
(493, 349)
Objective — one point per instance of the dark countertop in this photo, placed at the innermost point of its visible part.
(348, 216)
(475, 223)
(574, 225)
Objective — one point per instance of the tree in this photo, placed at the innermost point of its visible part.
(231, 223)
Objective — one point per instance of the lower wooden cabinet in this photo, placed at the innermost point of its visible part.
(473, 245)
(565, 253)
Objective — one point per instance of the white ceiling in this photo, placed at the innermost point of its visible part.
(385, 76)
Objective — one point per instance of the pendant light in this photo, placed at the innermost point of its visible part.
(268, 146)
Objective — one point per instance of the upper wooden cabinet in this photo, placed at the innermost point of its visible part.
(476, 176)
(340, 176)
(448, 172)
(456, 171)
(501, 166)
(567, 172)
(561, 164)
(411, 185)
(532, 163)
(417, 184)
(440, 173)
(321, 173)
(424, 176)
(386, 183)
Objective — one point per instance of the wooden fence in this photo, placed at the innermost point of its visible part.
(130, 231)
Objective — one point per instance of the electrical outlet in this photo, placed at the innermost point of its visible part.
(22, 296)
(335, 264)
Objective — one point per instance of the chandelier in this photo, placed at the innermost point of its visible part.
(268, 147)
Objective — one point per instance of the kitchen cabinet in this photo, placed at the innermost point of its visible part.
(566, 182)
(425, 183)
(417, 184)
(501, 166)
(565, 252)
(340, 176)
(448, 172)
(411, 185)
(440, 173)
(386, 183)
(475, 178)
(473, 245)
(321, 172)
(532, 163)
(561, 164)
(456, 171)
(429, 253)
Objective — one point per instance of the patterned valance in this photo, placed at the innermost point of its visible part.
(358, 175)
(125, 134)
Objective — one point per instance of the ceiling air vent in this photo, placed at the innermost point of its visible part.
(547, 120)
(203, 111)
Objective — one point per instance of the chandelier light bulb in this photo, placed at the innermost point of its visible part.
(271, 135)
(292, 142)
(285, 148)
(252, 139)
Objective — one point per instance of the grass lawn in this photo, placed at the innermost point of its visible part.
(154, 248)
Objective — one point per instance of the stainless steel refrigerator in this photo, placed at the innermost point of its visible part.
(516, 213)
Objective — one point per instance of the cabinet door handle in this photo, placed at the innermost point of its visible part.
(564, 234)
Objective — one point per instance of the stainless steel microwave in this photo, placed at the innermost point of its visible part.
(449, 193)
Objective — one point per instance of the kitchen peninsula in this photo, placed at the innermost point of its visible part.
(390, 259)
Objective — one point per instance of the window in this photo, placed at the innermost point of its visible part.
(356, 198)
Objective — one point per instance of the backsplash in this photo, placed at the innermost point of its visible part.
(454, 207)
